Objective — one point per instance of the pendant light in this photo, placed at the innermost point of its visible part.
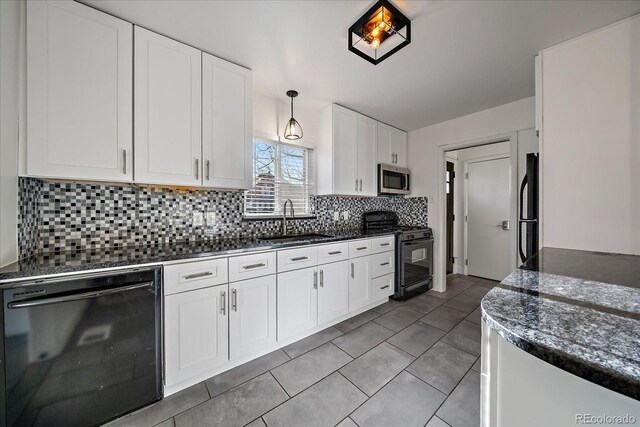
(292, 130)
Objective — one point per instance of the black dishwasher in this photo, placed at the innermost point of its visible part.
(81, 350)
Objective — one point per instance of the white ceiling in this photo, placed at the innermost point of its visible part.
(465, 56)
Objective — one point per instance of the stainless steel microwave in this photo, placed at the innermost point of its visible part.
(393, 179)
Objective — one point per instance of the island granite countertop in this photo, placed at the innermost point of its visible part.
(577, 310)
(49, 264)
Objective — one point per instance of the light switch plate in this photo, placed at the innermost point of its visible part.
(198, 219)
(210, 217)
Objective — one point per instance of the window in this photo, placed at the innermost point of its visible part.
(280, 172)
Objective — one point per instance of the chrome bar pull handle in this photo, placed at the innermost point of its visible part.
(360, 185)
(335, 252)
(384, 263)
(315, 280)
(197, 168)
(249, 267)
(384, 287)
(198, 275)
(223, 303)
(299, 258)
(322, 278)
(234, 300)
(124, 161)
(352, 271)
(208, 170)
(356, 184)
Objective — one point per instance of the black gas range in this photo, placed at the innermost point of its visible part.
(414, 252)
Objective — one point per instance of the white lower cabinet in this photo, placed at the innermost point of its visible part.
(297, 302)
(211, 325)
(333, 293)
(196, 332)
(311, 297)
(359, 282)
(252, 316)
(382, 287)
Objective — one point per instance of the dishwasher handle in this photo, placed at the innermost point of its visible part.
(35, 302)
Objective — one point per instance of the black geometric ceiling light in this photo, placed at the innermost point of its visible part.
(292, 130)
(379, 33)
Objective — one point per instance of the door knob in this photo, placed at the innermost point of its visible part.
(504, 225)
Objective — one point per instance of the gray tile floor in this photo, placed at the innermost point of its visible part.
(399, 364)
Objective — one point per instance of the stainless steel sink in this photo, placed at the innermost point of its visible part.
(295, 238)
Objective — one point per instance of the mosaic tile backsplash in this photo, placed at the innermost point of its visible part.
(59, 217)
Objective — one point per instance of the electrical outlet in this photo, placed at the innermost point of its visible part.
(345, 215)
(336, 216)
(210, 217)
(197, 219)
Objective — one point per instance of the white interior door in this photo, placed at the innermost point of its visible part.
(488, 236)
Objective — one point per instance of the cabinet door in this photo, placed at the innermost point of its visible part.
(196, 334)
(345, 130)
(399, 139)
(333, 293)
(252, 316)
(385, 144)
(227, 129)
(297, 302)
(359, 282)
(79, 93)
(167, 111)
(367, 130)
(382, 287)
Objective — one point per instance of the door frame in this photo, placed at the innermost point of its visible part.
(465, 190)
(441, 220)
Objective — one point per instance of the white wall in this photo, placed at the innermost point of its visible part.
(424, 153)
(590, 141)
(10, 12)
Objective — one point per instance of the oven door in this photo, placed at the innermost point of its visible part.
(393, 180)
(416, 268)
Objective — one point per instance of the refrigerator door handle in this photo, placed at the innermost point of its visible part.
(523, 186)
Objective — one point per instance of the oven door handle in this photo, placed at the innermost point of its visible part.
(35, 302)
(417, 242)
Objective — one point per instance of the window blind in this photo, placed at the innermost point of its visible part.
(280, 172)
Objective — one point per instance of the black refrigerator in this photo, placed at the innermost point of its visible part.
(528, 210)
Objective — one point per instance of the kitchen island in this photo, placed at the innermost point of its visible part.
(564, 327)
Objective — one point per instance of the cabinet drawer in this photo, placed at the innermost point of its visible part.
(249, 266)
(359, 248)
(382, 244)
(195, 275)
(333, 253)
(382, 264)
(382, 287)
(293, 259)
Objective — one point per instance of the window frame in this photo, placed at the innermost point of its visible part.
(309, 179)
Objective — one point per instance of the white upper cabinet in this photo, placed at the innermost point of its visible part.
(392, 145)
(346, 153)
(79, 93)
(167, 111)
(400, 142)
(227, 129)
(367, 131)
(344, 159)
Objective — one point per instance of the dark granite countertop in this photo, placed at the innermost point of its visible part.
(48, 264)
(577, 310)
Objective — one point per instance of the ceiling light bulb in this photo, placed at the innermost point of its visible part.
(375, 32)
(375, 43)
